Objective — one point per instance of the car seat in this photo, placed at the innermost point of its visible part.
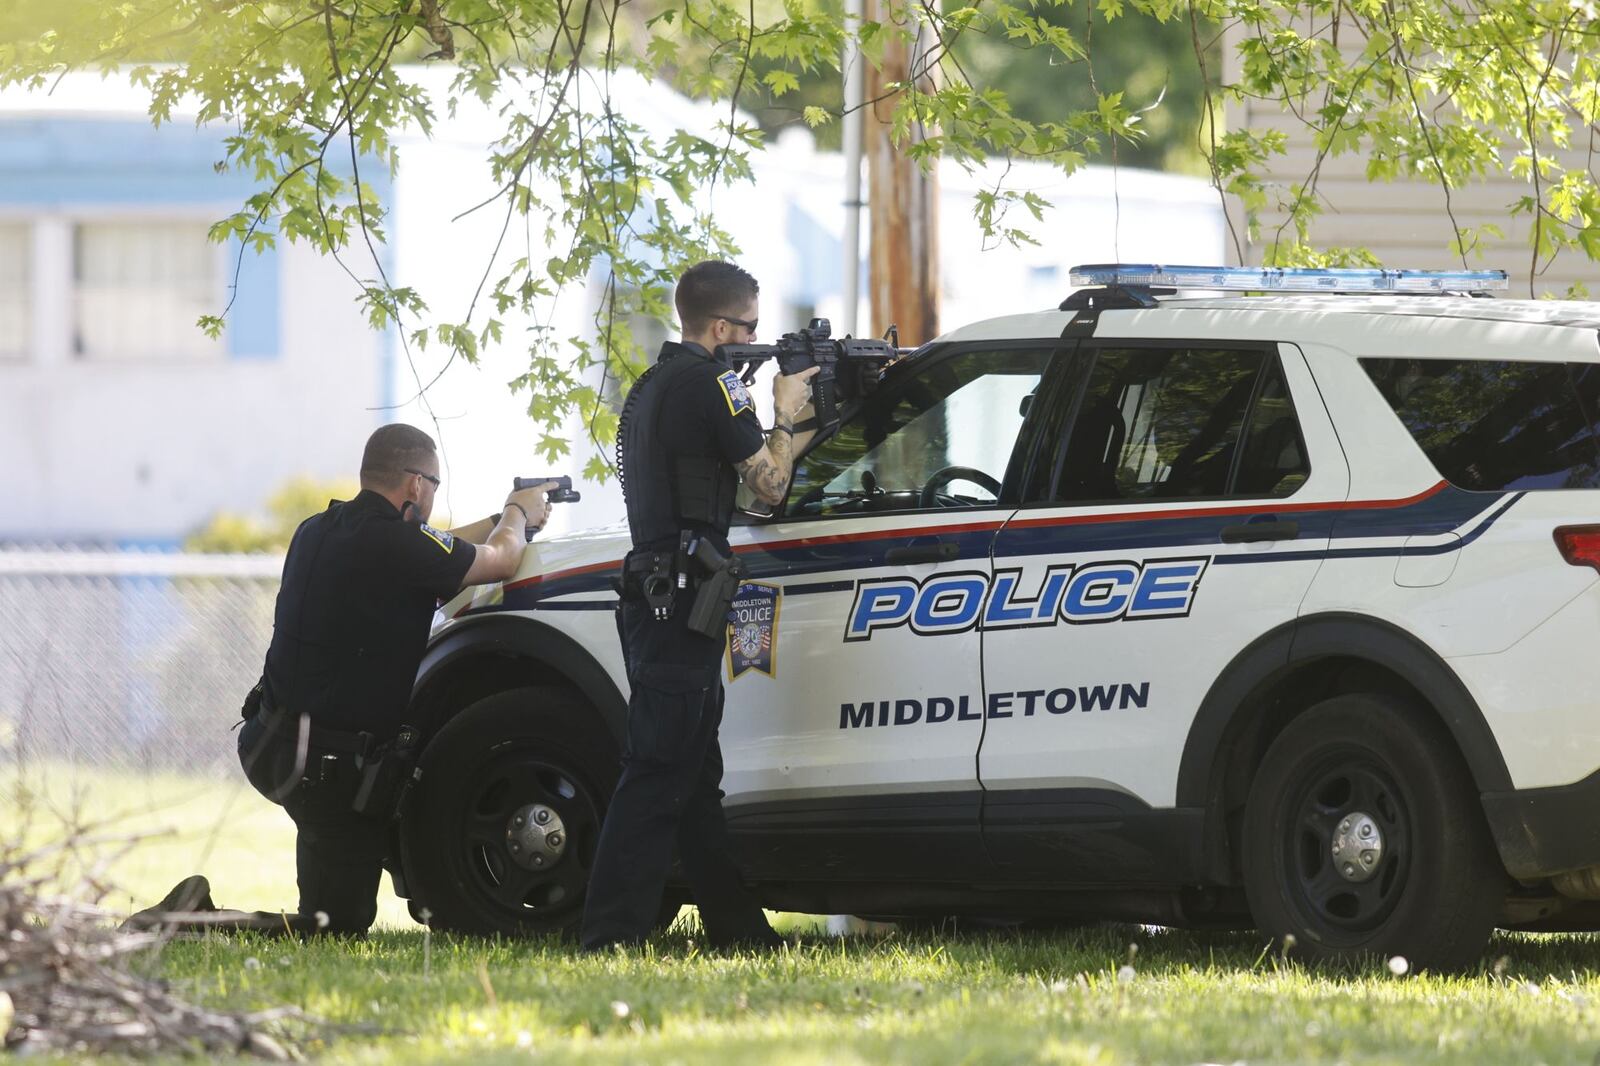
(1094, 452)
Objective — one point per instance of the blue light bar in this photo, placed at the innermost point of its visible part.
(1274, 279)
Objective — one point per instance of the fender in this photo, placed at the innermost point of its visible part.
(513, 636)
(1272, 658)
(1263, 661)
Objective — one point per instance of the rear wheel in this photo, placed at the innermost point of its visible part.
(501, 829)
(1363, 834)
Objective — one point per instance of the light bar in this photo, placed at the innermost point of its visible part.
(1275, 279)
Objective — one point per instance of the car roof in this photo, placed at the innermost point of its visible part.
(1533, 312)
(1494, 321)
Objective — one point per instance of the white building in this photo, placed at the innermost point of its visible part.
(122, 423)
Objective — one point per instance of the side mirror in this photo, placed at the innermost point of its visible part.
(1026, 405)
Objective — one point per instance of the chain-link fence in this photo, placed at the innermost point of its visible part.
(129, 660)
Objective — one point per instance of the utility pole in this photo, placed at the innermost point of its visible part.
(903, 269)
(855, 87)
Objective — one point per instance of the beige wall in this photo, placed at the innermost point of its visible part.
(1404, 223)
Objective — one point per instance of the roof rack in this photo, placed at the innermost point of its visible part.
(1126, 276)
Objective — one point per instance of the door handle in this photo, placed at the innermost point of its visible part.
(921, 553)
(1253, 532)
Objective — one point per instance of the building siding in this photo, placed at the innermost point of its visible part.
(1405, 223)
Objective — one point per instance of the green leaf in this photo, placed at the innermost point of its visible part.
(817, 116)
(781, 81)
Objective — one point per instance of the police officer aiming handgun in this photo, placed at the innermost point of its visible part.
(689, 432)
(323, 733)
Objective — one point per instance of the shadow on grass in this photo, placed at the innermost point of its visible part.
(1152, 951)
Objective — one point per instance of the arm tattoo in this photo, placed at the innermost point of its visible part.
(767, 473)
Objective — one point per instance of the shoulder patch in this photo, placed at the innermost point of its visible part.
(735, 393)
(445, 540)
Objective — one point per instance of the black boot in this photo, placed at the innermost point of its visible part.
(192, 895)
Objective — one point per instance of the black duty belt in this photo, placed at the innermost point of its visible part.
(654, 577)
(657, 576)
(320, 738)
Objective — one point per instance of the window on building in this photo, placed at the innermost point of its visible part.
(16, 290)
(139, 287)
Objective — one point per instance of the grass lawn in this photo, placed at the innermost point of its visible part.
(1100, 996)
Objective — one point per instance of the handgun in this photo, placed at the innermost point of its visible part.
(562, 493)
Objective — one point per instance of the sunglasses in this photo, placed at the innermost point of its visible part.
(749, 325)
(426, 477)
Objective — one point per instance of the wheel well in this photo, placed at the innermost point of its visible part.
(1288, 671)
(470, 678)
(1272, 706)
(474, 661)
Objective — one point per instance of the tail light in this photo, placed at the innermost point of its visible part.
(1579, 545)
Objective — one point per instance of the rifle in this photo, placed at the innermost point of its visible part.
(850, 367)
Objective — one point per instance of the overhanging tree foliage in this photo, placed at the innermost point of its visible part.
(1443, 91)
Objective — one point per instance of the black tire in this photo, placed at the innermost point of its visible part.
(531, 752)
(1435, 886)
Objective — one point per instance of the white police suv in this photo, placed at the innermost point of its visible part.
(1277, 610)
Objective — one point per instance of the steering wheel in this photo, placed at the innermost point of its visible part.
(930, 491)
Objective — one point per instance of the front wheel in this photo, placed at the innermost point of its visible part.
(1364, 834)
(501, 829)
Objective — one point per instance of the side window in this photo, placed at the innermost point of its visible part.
(1273, 462)
(933, 436)
(1490, 425)
(1161, 423)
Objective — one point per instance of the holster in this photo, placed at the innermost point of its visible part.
(386, 775)
(715, 589)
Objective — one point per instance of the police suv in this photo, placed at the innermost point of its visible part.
(1276, 607)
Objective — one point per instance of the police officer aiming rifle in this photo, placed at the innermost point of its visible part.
(689, 432)
(847, 368)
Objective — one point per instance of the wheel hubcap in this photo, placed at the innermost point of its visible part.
(1347, 847)
(1357, 847)
(528, 832)
(536, 837)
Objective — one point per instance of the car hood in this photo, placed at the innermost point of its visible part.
(582, 553)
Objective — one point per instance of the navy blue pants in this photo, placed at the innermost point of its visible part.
(339, 854)
(670, 794)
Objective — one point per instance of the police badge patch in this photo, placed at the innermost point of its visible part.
(753, 629)
(438, 536)
(735, 393)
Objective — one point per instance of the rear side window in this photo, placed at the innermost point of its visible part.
(1183, 423)
(1496, 425)
(1274, 459)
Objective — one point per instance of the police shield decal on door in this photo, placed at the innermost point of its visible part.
(753, 629)
(1187, 517)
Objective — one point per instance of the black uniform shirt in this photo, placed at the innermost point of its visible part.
(360, 587)
(704, 410)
